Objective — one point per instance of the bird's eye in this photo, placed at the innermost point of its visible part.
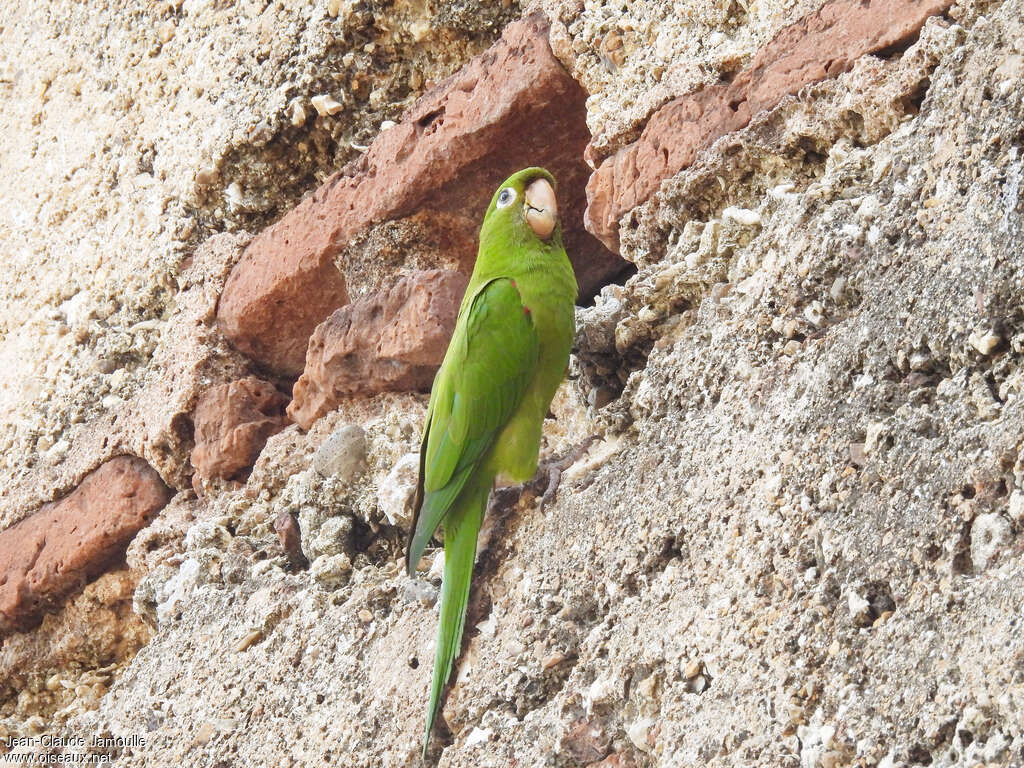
(506, 197)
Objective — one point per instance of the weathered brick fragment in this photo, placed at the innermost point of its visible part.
(232, 423)
(71, 541)
(393, 340)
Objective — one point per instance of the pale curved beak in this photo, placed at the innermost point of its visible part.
(541, 208)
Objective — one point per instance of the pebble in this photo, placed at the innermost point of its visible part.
(692, 668)
(477, 736)
(638, 733)
(1016, 509)
(990, 533)
(395, 492)
(365, 616)
(165, 32)
(58, 451)
(743, 216)
(552, 660)
(342, 454)
(699, 684)
(815, 313)
(298, 116)
(248, 640)
(206, 176)
(860, 609)
(984, 340)
(287, 529)
(325, 104)
(334, 537)
(331, 571)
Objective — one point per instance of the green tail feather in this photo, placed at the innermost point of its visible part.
(460, 531)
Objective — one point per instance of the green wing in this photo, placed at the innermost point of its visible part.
(490, 362)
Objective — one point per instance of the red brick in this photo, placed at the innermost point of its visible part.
(232, 423)
(390, 341)
(71, 541)
(821, 45)
(511, 107)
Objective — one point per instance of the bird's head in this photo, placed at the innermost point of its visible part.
(526, 202)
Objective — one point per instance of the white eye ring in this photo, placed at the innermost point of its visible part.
(506, 197)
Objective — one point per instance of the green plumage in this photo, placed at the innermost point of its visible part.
(506, 358)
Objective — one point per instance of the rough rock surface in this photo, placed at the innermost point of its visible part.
(822, 44)
(232, 423)
(69, 542)
(70, 660)
(798, 542)
(391, 341)
(442, 162)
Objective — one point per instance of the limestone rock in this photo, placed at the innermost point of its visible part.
(71, 541)
(232, 423)
(343, 453)
(390, 341)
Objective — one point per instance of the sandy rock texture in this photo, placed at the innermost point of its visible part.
(797, 539)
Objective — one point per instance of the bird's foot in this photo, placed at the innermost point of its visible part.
(549, 475)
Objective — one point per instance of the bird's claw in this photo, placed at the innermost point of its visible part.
(552, 476)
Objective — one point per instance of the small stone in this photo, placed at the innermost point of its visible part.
(419, 30)
(165, 32)
(699, 684)
(984, 340)
(860, 609)
(585, 741)
(552, 660)
(248, 640)
(394, 496)
(692, 668)
(791, 348)
(334, 537)
(298, 115)
(638, 733)
(477, 736)
(838, 289)
(743, 216)
(325, 105)
(207, 176)
(1016, 509)
(815, 313)
(57, 452)
(342, 454)
(920, 360)
(365, 616)
(990, 534)
(331, 571)
(287, 529)
(334, 8)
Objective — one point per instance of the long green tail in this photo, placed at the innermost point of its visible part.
(461, 527)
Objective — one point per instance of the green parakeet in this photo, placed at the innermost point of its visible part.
(506, 358)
